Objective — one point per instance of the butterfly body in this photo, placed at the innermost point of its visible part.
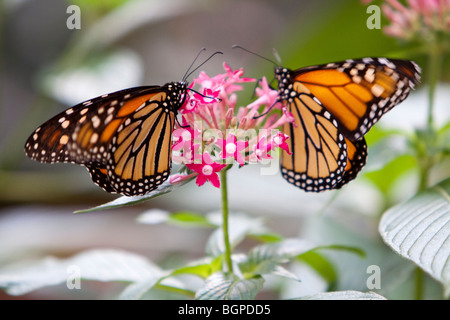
(334, 105)
(123, 138)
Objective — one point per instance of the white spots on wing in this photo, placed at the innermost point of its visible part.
(377, 90)
(64, 139)
(95, 121)
(94, 138)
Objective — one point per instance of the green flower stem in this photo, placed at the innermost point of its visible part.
(435, 59)
(418, 276)
(226, 239)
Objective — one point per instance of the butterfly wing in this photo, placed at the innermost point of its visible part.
(359, 92)
(123, 138)
(352, 96)
(318, 149)
(139, 158)
(356, 159)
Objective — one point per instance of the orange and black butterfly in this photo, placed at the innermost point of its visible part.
(124, 138)
(334, 105)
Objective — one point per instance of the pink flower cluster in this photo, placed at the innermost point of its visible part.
(216, 132)
(417, 18)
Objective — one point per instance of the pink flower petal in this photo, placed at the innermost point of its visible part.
(214, 179)
(201, 179)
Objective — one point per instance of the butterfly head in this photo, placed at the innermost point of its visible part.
(283, 77)
(177, 93)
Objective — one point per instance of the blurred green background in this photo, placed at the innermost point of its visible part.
(46, 68)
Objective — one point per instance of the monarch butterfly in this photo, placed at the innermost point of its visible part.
(334, 105)
(123, 138)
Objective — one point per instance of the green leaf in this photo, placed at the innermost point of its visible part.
(321, 264)
(350, 268)
(189, 218)
(385, 177)
(136, 290)
(344, 295)
(388, 146)
(280, 251)
(182, 218)
(378, 134)
(98, 265)
(250, 269)
(268, 237)
(224, 286)
(202, 268)
(357, 251)
(419, 230)
(266, 258)
(164, 188)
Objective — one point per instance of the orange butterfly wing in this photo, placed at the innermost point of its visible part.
(123, 138)
(355, 94)
(318, 149)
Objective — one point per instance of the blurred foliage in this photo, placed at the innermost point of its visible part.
(95, 9)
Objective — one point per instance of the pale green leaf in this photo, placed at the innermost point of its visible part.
(280, 251)
(137, 289)
(320, 264)
(202, 268)
(344, 295)
(164, 188)
(189, 219)
(98, 265)
(222, 286)
(419, 230)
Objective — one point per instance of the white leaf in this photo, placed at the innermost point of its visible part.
(136, 290)
(280, 251)
(153, 216)
(164, 188)
(419, 230)
(99, 265)
(344, 295)
(221, 286)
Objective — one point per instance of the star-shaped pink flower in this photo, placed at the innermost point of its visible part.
(279, 140)
(207, 171)
(208, 96)
(266, 96)
(232, 148)
(262, 149)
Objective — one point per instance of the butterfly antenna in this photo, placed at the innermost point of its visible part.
(201, 64)
(258, 55)
(276, 55)
(268, 110)
(195, 59)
